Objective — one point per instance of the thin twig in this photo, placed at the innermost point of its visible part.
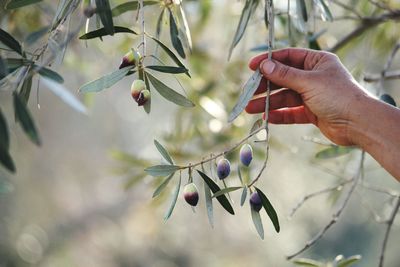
(388, 229)
(380, 190)
(387, 66)
(142, 28)
(336, 215)
(389, 75)
(346, 7)
(317, 193)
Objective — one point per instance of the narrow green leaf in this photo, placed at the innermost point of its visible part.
(168, 93)
(174, 33)
(147, 105)
(255, 215)
(3, 68)
(26, 87)
(269, 209)
(105, 81)
(170, 53)
(162, 186)
(326, 12)
(333, 152)
(161, 170)
(23, 116)
(167, 69)
(209, 204)
(104, 11)
(173, 202)
(215, 188)
(103, 32)
(10, 41)
(244, 196)
(65, 95)
(6, 160)
(302, 9)
(17, 62)
(163, 152)
(4, 135)
(186, 29)
(308, 263)
(20, 3)
(240, 175)
(129, 6)
(248, 9)
(48, 73)
(226, 190)
(248, 91)
(349, 261)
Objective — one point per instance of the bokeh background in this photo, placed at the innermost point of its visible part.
(78, 200)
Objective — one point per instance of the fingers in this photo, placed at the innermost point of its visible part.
(289, 116)
(294, 57)
(280, 99)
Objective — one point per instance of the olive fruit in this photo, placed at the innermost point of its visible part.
(130, 59)
(137, 87)
(143, 97)
(223, 168)
(255, 202)
(246, 154)
(191, 194)
(388, 99)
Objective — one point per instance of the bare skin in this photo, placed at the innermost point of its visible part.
(314, 87)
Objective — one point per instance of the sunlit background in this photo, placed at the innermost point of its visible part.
(79, 201)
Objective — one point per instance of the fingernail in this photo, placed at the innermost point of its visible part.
(267, 67)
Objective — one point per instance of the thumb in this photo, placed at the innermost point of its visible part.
(285, 76)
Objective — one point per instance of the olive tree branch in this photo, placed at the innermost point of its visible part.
(366, 24)
(142, 27)
(387, 66)
(337, 214)
(388, 229)
(388, 75)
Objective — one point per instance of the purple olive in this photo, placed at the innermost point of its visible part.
(130, 59)
(255, 202)
(223, 168)
(246, 154)
(143, 97)
(191, 194)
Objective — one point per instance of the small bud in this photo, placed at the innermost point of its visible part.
(246, 154)
(137, 87)
(130, 59)
(255, 202)
(191, 194)
(144, 96)
(388, 99)
(223, 168)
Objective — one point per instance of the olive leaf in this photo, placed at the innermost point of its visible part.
(26, 87)
(169, 93)
(174, 34)
(255, 216)
(173, 202)
(249, 89)
(209, 204)
(161, 170)
(243, 196)
(388, 99)
(302, 9)
(147, 105)
(170, 53)
(248, 9)
(48, 73)
(23, 116)
(307, 262)
(6, 160)
(4, 135)
(103, 32)
(226, 190)
(10, 41)
(162, 186)
(269, 209)
(20, 3)
(349, 261)
(163, 152)
(159, 22)
(333, 151)
(105, 81)
(186, 29)
(326, 13)
(129, 6)
(167, 69)
(215, 188)
(104, 12)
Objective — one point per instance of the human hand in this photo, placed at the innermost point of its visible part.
(315, 88)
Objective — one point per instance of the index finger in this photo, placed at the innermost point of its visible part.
(294, 57)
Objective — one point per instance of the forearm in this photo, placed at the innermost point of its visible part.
(375, 128)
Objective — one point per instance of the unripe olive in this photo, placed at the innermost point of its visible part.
(223, 168)
(130, 59)
(144, 96)
(255, 202)
(191, 194)
(388, 99)
(246, 154)
(137, 87)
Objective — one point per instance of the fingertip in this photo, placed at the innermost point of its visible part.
(254, 63)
